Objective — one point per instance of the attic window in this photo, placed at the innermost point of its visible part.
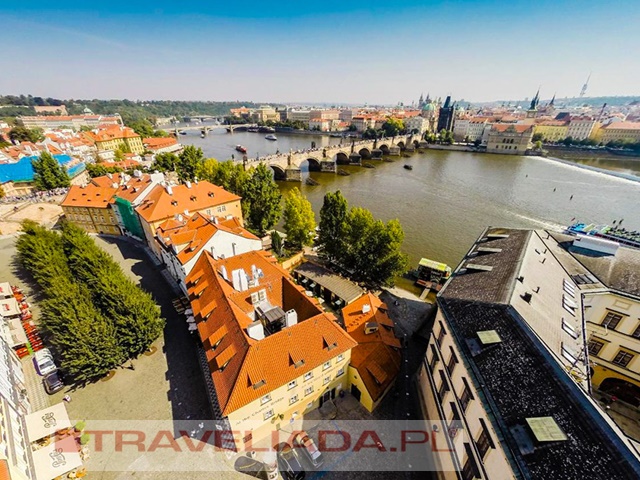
(211, 194)
(545, 429)
(327, 345)
(193, 198)
(259, 384)
(174, 202)
(487, 337)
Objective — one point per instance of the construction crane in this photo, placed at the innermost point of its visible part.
(584, 87)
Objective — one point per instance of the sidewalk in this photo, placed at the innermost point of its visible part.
(38, 398)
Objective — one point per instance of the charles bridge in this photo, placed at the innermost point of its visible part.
(286, 166)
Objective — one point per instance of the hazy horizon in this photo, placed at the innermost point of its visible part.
(371, 52)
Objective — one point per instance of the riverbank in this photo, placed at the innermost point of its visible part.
(613, 173)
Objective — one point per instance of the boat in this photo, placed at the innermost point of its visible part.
(266, 129)
(182, 132)
(241, 149)
(202, 135)
(409, 167)
(431, 274)
(628, 238)
(271, 136)
(253, 129)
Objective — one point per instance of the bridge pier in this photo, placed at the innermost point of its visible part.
(328, 166)
(394, 151)
(376, 154)
(293, 174)
(355, 159)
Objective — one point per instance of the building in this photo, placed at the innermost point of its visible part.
(161, 145)
(507, 365)
(347, 114)
(610, 292)
(270, 353)
(416, 123)
(627, 132)
(375, 361)
(299, 115)
(552, 130)
(362, 122)
(181, 241)
(90, 208)
(581, 128)
(266, 113)
(325, 114)
(446, 115)
(533, 108)
(117, 137)
(512, 139)
(75, 122)
(165, 202)
(470, 129)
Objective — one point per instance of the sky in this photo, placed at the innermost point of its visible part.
(333, 51)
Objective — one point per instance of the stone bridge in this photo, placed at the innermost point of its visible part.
(286, 166)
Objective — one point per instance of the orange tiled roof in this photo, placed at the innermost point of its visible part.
(517, 127)
(112, 132)
(160, 142)
(193, 233)
(623, 126)
(244, 369)
(107, 181)
(377, 356)
(88, 196)
(160, 205)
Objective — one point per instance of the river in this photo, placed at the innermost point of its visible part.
(448, 198)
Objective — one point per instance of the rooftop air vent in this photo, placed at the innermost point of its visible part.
(526, 296)
(370, 327)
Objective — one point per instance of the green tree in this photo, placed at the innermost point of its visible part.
(333, 215)
(142, 127)
(299, 219)
(118, 155)
(392, 127)
(370, 133)
(165, 162)
(24, 134)
(189, 163)
(2, 192)
(229, 175)
(352, 128)
(262, 200)
(99, 170)
(48, 173)
(537, 136)
(568, 141)
(277, 243)
(538, 145)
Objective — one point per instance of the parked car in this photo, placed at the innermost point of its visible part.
(304, 443)
(44, 362)
(53, 383)
(288, 463)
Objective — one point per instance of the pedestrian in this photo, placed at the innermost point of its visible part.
(67, 398)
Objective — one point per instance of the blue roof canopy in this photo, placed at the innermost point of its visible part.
(22, 170)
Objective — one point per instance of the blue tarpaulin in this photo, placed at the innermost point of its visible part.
(22, 171)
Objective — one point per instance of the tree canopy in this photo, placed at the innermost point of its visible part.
(24, 134)
(144, 128)
(99, 170)
(165, 162)
(299, 219)
(48, 173)
(367, 248)
(189, 163)
(229, 175)
(392, 127)
(262, 200)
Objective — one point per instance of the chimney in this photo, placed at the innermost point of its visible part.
(169, 189)
(255, 330)
(290, 318)
(188, 184)
(366, 308)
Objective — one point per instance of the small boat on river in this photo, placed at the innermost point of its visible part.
(271, 136)
(409, 167)
(241, 149)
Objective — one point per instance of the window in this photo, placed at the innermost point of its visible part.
(309, 405)
(268, 414)
(326, 365)
(454, 424)
(444, 387)
(453, 360)
(308, 376)
(569, 329)
(340, 372)
(484, 442)
(611, 321)
(292, 384)
(568, 353)
(265, 399)
(594, 347)
(636, 333)
(308, 390)
(247, 438)
(441, 334)
(340, 357)
(466, 396)
(293, 399)
(623, 358)
(326, 380)
(469, 470)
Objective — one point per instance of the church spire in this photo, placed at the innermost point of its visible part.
(552, 100)
(535, 101)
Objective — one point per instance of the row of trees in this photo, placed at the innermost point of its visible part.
(390, 128)
(93, 316)
(443, 137)
(352, 238)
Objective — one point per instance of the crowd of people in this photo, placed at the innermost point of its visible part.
(35, 197)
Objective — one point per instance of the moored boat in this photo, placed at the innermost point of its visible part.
(431, 274)
(241, 149)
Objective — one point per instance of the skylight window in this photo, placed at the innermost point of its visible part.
(545, 429)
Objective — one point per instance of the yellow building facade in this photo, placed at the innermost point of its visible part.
(116, 137)
(552, 131)
(90, 208)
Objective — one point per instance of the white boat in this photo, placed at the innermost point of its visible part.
(271, 136)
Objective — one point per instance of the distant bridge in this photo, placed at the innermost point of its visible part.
(206, 128)
(286, 166)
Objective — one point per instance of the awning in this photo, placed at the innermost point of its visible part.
(56, 459)
(46, 422)
(9, 307)
(18, 337)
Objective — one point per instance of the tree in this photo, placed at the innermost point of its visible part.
(430, 137)
(276, 242)
(537, 136)
(299, 219)
(229, 175)
(48, 173)
(189, 163)
(24, 134)
(118, 155)
(142, 127)
(538, 145)
(99, 170)
(333, 215)
(446, 136)
(2, 192)
(165, 162)
(352, 128)
(262, 200)
(370, 133)
(392, 127)
(568, 141)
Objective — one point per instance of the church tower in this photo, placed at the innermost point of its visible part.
(533, 108)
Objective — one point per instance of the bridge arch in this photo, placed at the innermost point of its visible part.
(278, 172)
(342, 158)
(401, 145)
(313, 163)
(364, 152)
(416, 143)
(384, 148)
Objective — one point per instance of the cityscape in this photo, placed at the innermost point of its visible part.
(428, 269)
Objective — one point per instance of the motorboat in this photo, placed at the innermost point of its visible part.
(271, 136)
(409, 167)
(241, 149)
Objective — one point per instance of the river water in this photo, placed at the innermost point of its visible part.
(448, 198)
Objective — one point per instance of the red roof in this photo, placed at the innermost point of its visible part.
(91, 196)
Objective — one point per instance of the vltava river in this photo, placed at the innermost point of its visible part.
(448, 198)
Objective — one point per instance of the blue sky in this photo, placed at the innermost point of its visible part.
(327, 51)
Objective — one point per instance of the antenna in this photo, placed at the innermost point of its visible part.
(584, 87)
